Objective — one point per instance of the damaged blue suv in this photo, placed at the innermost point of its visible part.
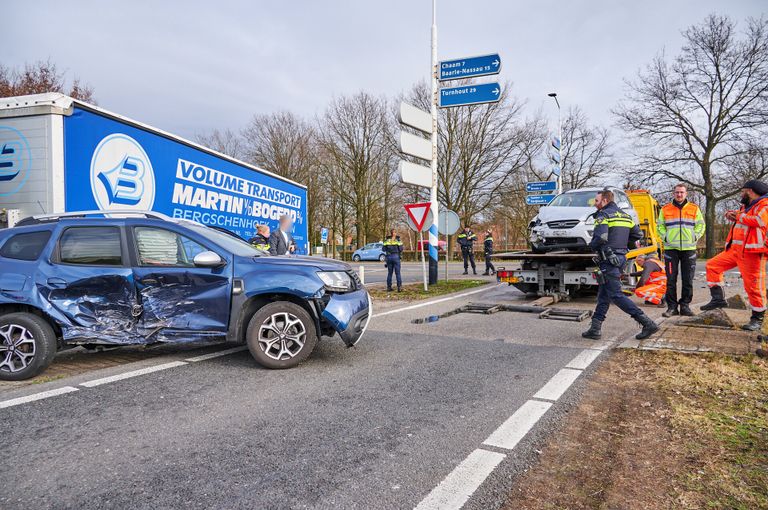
(141, 278)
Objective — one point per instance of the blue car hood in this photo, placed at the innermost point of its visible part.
(320, 263)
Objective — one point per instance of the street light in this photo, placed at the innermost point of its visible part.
(553, 95)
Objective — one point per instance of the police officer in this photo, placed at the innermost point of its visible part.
(393, 247)
(467, 242)
(261, 240)
(614, 231)
(488, 251)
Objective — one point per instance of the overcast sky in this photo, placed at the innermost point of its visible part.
(191, 66)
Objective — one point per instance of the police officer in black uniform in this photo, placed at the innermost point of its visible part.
(393, 247)
(488, 251)
(614, 232)
(261, 239)
(467, 242)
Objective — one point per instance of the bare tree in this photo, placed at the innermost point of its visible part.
(693, 120)
(357, 157)
(39, 78)
(586, 151)
(225, 141)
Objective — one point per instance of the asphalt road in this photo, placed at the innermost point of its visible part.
(411, 272)
(376, 426)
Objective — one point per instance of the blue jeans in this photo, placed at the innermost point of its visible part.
(393, 264)
(610, 292)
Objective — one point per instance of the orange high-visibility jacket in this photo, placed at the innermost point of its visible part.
(749, 231)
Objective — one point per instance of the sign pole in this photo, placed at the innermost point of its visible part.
(560, 149)
(423, 262)
(433, 244)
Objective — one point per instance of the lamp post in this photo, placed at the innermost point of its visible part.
(553, 95)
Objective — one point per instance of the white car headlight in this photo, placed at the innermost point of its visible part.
(336, 281)
(590, 220)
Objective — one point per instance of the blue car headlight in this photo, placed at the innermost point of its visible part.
(336, 281)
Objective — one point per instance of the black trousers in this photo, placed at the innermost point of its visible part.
(469, 258)
(679, 262)
(488, 264)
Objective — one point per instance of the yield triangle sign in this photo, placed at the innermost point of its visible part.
(418, 213)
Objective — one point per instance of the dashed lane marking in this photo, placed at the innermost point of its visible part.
(462, 482)
(36, 396)
(518, 425)
(217, 354)
(584, 359)
(558, 385)
(133, 373)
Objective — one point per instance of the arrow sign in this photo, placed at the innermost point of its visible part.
(556, 142)
(469, 67)
(419, 175)
(416, 146)
(418, 213)
(556, 170)
(555, 157)
(538, 199)
(416, 118)
(540, 186)
(470, 94)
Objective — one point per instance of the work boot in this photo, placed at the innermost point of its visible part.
(593, 333)
(762, 351)
(486, 274)
(718, 299)
(389, 289)
(649, 327)
(755, 322)
(474, 271)
(671, 310)
(465, 272)
(686, 311)
(399, 288)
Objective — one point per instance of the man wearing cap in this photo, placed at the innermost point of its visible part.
(680, 226)
(746, 249)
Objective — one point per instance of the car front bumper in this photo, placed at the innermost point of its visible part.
(576, 238)
(349, 314)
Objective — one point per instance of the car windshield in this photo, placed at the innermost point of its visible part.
(575, 199)
(230, 243)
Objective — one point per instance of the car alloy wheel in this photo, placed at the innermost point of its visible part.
(17, 348)
(282, 336)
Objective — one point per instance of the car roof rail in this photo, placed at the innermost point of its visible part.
(46, 218)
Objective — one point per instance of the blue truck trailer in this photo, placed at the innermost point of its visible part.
(58, 154)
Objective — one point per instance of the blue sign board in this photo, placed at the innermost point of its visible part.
(538, 199)
(471, 67)
(111, 164)
(323, 235)
(470, 94)
(541, 186)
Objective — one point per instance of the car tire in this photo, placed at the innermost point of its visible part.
(274, 319)
(28, 333)
(382, 257)
(356, 258)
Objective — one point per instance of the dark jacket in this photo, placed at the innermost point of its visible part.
(260, 242)
(488, 245)
(392, 247)
(615, 229)
(466, 240)
(277, 244)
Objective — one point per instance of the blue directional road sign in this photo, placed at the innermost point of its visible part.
(470, 94)
(471, 67)
(540, 186)
(538, 199)
(323, 235)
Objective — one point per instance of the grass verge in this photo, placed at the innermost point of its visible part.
(659, 430)
(413, 291)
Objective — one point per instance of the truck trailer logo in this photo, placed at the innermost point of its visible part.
(15, 160)
(121, 174)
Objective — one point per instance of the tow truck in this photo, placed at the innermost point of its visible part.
(566, 273)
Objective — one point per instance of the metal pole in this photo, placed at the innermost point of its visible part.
(433, 244)
(560, 148)
(423, 263)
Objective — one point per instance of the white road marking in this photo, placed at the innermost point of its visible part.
(462, 482)
(133, 373)
(436, 301)
(559, 383)
(518, 425)
(36, 396)
(584, 359)
(217, 354)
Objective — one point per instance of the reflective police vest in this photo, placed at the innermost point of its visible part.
(680, 227)
(615, 229)
(749, 231)
(392, 247)
(466, 240)
(488, 244)
(260, 242)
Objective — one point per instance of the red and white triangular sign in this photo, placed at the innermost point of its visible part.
(418, 213)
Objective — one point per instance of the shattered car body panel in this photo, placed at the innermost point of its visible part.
(134, 302)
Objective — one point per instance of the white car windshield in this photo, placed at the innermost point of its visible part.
(575, 199)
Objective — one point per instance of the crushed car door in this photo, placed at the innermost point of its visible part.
(179, 301)
(90, 282)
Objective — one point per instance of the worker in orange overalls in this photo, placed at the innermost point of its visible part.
(652, 285)
(745, 248)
